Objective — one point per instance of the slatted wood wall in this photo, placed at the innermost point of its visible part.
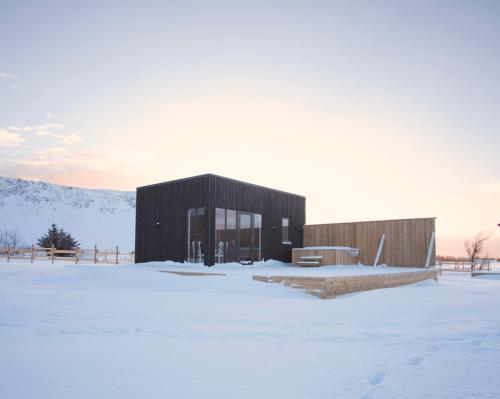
(167, 203)
(406, 240)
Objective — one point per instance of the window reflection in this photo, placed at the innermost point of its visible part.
(237, 236)
(196, 235)
(284, 231)
(231, 250)
(220, 235)
(257, 229)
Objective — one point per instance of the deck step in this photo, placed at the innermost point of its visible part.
(308, 263)
(311, 257)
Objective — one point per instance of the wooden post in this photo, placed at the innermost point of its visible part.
(32, 253)
(53, 253)
(95, 253)
(76, 255)
(116, 254)
(379, 250)
(429, 252)
(8, 253)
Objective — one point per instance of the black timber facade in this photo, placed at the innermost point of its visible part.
(162, 217)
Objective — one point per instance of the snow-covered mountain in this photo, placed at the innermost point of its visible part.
(105, 218)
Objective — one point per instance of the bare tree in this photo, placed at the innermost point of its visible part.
(10, 238)
(4, 241)
(475, 248)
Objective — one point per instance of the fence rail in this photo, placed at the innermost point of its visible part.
(464, 266)
(77, 255)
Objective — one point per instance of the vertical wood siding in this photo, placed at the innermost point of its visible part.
(406, 240)
(272, 205)
(168, 203)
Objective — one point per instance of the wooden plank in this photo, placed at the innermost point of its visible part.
(331, 287)
(65, 251)
(406, 240)
(194, 274)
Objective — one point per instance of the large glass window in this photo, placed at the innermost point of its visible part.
(284, 231)
(196, 235)
(220, 235)
(231, 250)
(245, 236)
(257, 230)
(237, 236)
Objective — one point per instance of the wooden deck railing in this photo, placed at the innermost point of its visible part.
(77, 255)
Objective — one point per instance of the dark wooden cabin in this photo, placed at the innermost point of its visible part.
(212, 219)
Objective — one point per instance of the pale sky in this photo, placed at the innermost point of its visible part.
(371, 109)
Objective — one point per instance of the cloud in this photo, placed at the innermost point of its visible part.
(66, 162)
(8, 76)
(61, 158)
(9, 139)
(10, 79)
(48, 114)
(44, 128)
(48, 152)
(68, 138)
(47, 130)
(62, 165)
(64, 138)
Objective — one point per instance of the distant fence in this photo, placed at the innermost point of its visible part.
(465, 266)
(77, 255)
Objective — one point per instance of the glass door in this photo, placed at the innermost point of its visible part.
(245, 236)
(237, 236)
(195, 235)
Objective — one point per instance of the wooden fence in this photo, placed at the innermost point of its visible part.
(76, 255)
(402, 242)
(465, 266)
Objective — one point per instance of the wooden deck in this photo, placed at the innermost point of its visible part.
(193, 274)
(331, 287)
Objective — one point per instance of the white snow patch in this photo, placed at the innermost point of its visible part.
(127, 331)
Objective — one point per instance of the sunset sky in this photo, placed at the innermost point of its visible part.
(370, 109)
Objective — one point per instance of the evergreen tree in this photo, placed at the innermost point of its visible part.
(57, 238)
(50, 239)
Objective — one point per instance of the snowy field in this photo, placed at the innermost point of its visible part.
(128, 331)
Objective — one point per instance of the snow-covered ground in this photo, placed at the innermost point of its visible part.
(127, 331)
(276, 268)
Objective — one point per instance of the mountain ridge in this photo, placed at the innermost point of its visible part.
(101, 217)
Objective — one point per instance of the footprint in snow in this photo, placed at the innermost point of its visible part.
(433, 348)
(377, 378)
(415, 361)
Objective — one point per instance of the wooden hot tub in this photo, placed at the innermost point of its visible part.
(322, 256)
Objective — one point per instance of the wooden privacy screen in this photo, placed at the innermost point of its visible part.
(406, 240)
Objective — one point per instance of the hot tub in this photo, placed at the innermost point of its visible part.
(321, 256)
